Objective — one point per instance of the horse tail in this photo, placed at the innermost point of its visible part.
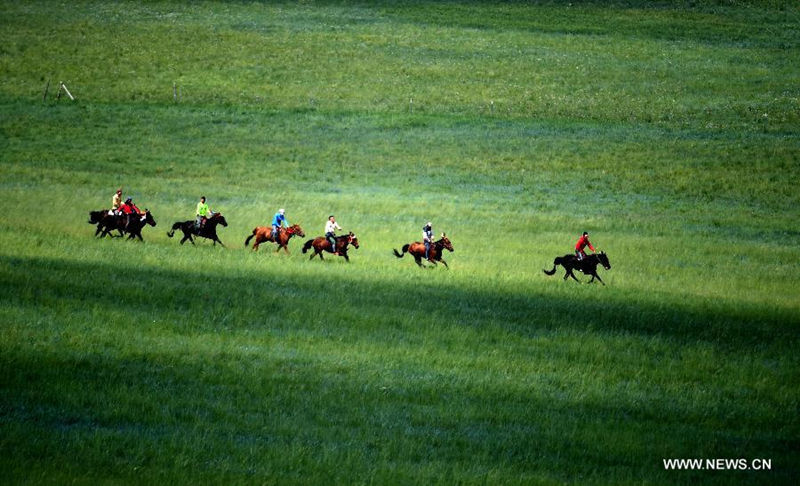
(250, 237)
(553, 271)
(307, 246)
(400, 255)
(175, 226)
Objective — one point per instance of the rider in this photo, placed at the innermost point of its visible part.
(116, 202)
(277, 221)
(427, 239)
(203, 213)
(129, 209)
(330, 232)
(582, 243)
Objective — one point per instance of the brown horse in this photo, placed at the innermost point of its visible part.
(264, 233)
(417, 250)
(321, 244)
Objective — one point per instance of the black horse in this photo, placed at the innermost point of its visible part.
(587, 265)
(208, 230)
(132, 224)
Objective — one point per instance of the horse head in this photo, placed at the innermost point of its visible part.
(219, 219)
(603, 258)
(148, 218)
(295, 229)
(352, 239)
(445, 241)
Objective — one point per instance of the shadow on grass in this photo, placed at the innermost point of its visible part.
(181, 413)
(180, 418)
(199, 301)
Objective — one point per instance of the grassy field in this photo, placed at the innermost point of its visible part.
(669, 130)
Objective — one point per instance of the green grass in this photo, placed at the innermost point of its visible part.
(670, 132)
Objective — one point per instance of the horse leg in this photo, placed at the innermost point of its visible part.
(418, 259)
(569, 272)
(346, 258)
(219, 241)
(445, 264)
(598, 278)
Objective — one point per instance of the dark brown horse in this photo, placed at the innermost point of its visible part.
(587, 265)
(102, 219)
(263, 234)
(417, 250)
(131, 224)
(208, 230)
(321, 244)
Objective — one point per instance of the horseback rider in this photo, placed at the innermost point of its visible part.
(203, 213)
(330, 232)
(116, 202)
(278, 220)
(128, 209)
(427, 239)
(582, 243)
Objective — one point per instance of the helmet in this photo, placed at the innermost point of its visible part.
(281, 210)
(429, 223)
(129, 199)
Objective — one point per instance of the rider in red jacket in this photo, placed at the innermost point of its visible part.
(128, 209)
(582, 243)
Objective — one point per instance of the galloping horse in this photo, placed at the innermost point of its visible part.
(101, 218)
(264, 233)
(133, 225)
(209, 229)
(321, 244)
(417, 250)
(588, 265)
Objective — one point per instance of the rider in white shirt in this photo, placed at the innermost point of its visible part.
(330, 231)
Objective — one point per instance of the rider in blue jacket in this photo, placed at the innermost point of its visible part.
(278, 220)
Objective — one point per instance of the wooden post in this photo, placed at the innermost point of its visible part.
(67, 91)
(46, 88)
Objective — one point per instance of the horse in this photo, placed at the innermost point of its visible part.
(96, 217)
(208, 230)
(417, 250)
(264, 233)
(587, 265)
(321, 244)
(135, 225)
(132, 225)
(101, 218)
